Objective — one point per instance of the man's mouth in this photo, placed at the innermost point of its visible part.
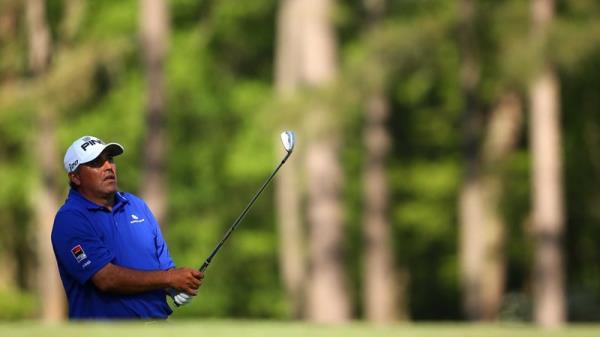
(109, 177)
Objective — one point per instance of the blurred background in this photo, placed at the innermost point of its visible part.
(447, 164)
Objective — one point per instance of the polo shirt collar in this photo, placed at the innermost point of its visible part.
(74, 195)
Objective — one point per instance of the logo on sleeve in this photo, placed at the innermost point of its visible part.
(78, 253)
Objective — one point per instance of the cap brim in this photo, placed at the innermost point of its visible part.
(112, 149)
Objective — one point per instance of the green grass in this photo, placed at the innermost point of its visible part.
(236, 328)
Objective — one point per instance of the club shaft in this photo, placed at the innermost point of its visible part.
(241, 216)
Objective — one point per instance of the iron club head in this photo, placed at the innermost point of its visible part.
(288, 138)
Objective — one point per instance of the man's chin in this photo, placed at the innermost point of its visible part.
(110, 186)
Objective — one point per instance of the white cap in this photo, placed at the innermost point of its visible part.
(86, 149)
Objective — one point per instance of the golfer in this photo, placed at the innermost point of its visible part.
(111, 255)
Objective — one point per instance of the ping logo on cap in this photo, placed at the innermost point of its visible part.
(90, 142)
(73, 165)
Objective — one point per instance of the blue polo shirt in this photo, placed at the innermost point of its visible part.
(87, 236)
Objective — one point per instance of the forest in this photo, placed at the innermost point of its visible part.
(447, 163)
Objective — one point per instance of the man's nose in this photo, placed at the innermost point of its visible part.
(107, 164)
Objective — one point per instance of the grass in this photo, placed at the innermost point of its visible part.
(183, 328)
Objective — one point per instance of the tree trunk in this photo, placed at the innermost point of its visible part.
(7, 262)
(291, 235)
(46, 201)
(74, 14)
(154, 30)
(471, 245)
(306, 57)
(39, 36)
(382, 286)
(486, 149)
(8, 34)
(500, 141)
(9, 26)
(471, 214)
(548, 212)
(328, 297)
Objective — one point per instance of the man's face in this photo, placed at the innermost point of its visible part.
(97, 178)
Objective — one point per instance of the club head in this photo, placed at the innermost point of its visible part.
(288, 138)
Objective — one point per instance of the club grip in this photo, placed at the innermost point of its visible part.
(174, 292)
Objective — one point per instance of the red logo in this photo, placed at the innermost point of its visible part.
(78, 253)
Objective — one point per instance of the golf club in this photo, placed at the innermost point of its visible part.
(288, 138)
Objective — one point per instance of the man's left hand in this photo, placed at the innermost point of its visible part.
(182, 299)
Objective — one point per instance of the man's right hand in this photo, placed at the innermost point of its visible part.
(186, 280)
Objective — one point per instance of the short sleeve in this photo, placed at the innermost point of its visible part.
(162, 251)
(164, 258)
(77, 246)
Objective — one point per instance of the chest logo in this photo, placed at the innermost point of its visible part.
(136, 219)
(78, 253)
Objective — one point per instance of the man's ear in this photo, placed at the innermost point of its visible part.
(75, 178)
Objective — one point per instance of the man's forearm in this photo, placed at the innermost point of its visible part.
(115, 279)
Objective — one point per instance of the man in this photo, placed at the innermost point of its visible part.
(111, 255)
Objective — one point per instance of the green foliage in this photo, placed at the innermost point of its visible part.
(224, 117)
(242, 37)
(17, 305)
(105, 20)
(581, 123)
